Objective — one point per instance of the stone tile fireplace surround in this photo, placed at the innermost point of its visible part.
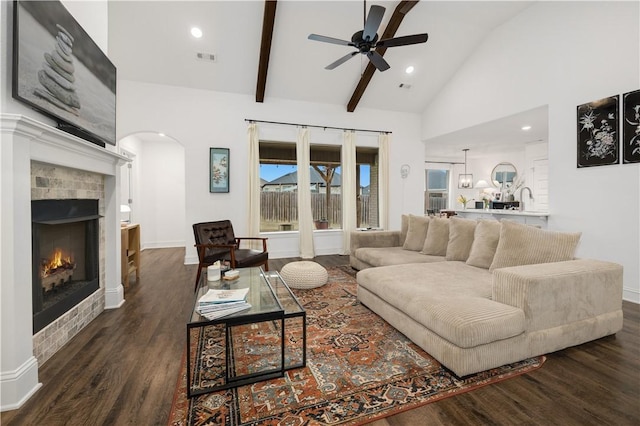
(41, 162)
(49, 182)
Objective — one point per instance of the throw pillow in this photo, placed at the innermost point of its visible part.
(416, 232)
(404, 227)
(485, 242)
(437, 237)
(460, 238)
(526, 245)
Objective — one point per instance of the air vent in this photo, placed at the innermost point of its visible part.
(210, 57)
(404, 86)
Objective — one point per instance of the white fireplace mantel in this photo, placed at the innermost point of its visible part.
(24, 140)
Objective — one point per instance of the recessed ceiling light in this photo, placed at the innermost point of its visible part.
(525, 128)
(409, 69)
(161, 134)
(196, 32)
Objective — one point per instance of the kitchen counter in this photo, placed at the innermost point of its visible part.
(527, 217)
(503, 212)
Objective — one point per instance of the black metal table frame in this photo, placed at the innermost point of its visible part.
(229, 322)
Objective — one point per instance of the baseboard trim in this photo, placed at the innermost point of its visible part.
(114, 297)
(161, 244)
(631, 295)
(18, 385)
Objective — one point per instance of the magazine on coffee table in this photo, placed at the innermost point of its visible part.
(214, 296)
(228, 310)
(212, 307)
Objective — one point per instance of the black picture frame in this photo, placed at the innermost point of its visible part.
(597, 132)
(218, 170)
(631, 127)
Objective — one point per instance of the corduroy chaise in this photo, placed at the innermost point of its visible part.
(491, 294)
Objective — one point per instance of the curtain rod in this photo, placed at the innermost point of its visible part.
(313, 125)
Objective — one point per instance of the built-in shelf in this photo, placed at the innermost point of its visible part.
(130, 252)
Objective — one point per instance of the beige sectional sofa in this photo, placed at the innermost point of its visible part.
(480, 294)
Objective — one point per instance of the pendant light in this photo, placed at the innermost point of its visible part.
(465, 181)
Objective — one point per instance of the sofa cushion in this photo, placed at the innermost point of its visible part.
(460, 238)
(525, 245)
(384, 256)
(452, 300)
(416, 232)
(470, 321)
(485, 242)
(404, 227)
(438, 280)
(437, 238)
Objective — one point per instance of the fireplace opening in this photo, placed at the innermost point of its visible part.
(65, 246)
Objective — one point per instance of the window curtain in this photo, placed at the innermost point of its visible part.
(383, 180)
(253, 202)
(349, 190)
(305, 218)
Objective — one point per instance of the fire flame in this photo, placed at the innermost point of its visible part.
(58, 261)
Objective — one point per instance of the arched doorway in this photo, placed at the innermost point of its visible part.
(153, 186)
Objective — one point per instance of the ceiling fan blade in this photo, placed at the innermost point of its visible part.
(403, 41)
(326, 39)
(373, 22)
(378, 61)
(340, 61)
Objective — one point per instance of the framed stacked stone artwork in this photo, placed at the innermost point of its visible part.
(59, 71)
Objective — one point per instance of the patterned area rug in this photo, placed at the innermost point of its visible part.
(359, 369)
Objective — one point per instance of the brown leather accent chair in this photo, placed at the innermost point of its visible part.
(216, 241)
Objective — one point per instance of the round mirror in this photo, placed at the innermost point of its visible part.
(503, 175)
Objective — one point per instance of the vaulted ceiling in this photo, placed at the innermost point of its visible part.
(150, 41)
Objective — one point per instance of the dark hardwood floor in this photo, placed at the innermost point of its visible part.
(123, 367)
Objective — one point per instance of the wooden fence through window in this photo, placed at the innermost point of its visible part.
(282, 207)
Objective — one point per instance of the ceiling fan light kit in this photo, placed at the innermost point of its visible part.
(366, 41)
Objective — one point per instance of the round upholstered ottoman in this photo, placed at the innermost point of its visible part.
(304, 274)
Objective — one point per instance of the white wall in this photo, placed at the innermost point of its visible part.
(201, 119)
(158, 189)
(562, 54)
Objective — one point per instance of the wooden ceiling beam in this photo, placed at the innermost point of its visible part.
(268, 22)
(389, 32)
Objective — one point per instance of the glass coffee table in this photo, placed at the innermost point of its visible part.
(257, 344)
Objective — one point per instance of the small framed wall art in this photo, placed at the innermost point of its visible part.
(631, 127)
(218, 170)
(597, 124)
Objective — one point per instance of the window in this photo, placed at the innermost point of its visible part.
(279, 186)
(437, 190)
(367, 183)
(326, 186)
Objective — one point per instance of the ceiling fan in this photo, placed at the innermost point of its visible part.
(367, 40)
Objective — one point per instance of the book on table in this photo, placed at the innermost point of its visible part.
(224, 312)
(223, 296)
(217, 303)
